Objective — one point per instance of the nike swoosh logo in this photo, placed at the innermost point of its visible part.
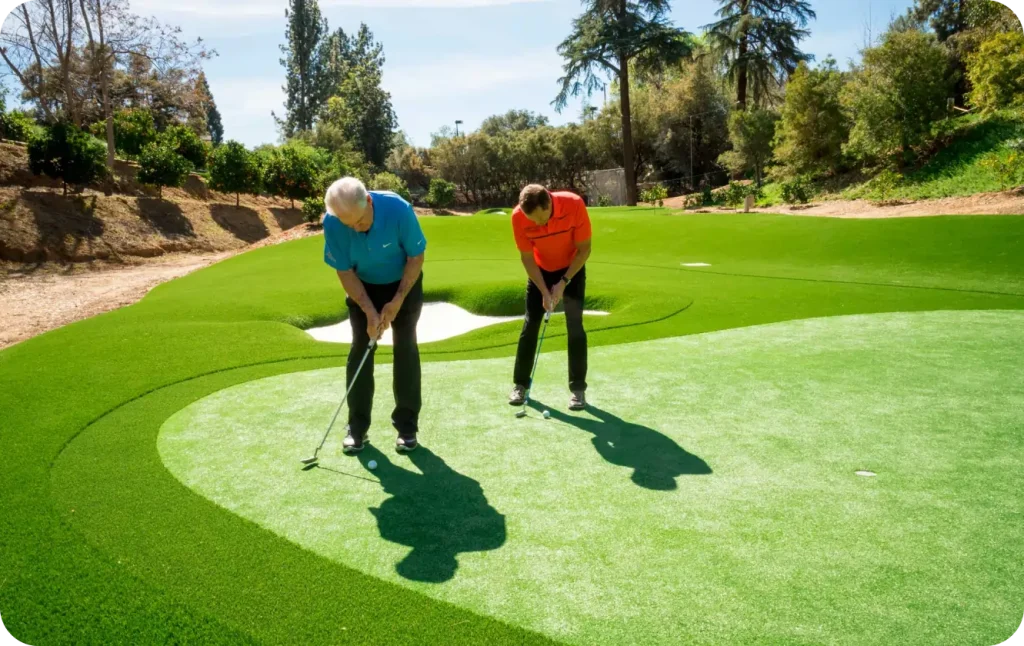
(387, 245)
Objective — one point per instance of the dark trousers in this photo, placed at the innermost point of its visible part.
(573, 299)
(406, 382)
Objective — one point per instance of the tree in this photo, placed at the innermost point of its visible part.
(757, 41)
(609, 36)
(160, 165)
(896, 96)
(233, 169)
(185, 142)
(66, 153)
(410, 164)
(813, 126)
(512, 121)
(996, 73)
(133, 131)
(307, 84)
(390, 182)
(359, 107)
(752, 133)
(441, 194)
(292, 170)
(213, 119)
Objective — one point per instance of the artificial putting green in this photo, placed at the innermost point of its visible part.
(101, 542)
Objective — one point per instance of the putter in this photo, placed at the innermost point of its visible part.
(314, 461)
(526, 401)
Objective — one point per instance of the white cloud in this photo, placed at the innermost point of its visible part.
(275, 8)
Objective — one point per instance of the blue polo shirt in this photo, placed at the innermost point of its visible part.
(379, 255)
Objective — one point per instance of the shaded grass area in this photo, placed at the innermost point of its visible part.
(59, 587)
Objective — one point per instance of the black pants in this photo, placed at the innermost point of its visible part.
(573, 299)
(406, 382)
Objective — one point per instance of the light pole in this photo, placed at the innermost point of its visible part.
(457, 124)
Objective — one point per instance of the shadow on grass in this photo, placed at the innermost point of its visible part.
(439, 513)
(655, 458)
(241, 221)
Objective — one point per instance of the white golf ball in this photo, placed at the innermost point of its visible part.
(547, 414)
(372, 464)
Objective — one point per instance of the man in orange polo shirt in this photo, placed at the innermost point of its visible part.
(552, 232)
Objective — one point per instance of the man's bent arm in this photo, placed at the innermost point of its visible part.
(413, 268)
(582, 256)
(355, 290)
(533, 271)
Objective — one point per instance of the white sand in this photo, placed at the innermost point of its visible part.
(439, 321)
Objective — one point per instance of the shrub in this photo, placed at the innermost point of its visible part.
(441, 194)
(390, 182)
(161, 165)
(884, 185)
(18, 125)
(1006, 165)
(233, 169)
(293, 171)
(313, 209)
(184, 141)
(655, 195)
(604, 200)
(798, 190)
(133, 131)
(996, 72)
(66, 153)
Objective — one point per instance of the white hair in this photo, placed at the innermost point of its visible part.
(346, 194)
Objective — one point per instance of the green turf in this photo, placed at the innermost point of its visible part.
(144, 559)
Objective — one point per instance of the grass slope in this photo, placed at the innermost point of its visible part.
(235, 322)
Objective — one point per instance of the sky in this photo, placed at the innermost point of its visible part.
(447, 60)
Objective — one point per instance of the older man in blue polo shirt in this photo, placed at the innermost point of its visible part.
(375, 243)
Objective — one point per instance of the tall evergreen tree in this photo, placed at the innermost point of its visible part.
(213, 120)
(610, 36)
(304, 65)
(758, 42)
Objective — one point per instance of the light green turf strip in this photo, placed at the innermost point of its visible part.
(714, 502)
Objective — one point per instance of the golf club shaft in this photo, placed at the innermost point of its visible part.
(536, 359)
(359, 370)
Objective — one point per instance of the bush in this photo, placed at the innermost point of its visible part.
(996, 72)
(604, 200)
(798, 190)
(655, 195)
(313, 209)
(897, 96)
(233, 169)
(693, 201)
(184, 141)
(813, 127)
(441, 194)
(66, 153)
(390, 182)
(18, 125)
(735, 194)
(751, 133)
(884, 185)
(293, 171)
(133, 131)
(1006, 165)
(161, 165)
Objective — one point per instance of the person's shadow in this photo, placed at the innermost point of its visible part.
(439, 513)
(656, 459)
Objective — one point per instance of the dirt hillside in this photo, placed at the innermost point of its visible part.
(38, 224)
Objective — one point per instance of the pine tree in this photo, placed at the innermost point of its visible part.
(304, 65)
(757, 41)
(213, 120)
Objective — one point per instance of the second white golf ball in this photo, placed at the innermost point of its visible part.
(547, 414)
(372, 464)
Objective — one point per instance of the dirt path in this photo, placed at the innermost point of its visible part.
(34, 303)
(1006, 203)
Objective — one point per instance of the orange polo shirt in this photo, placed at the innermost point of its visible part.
(554, 244)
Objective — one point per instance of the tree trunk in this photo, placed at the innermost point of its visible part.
(160, 192)
(627, 132)
(293, 203)
(238, 200)
(741, 74)
(65, 188)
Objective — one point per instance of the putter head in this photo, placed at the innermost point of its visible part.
(521, 414)
(309, 463)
